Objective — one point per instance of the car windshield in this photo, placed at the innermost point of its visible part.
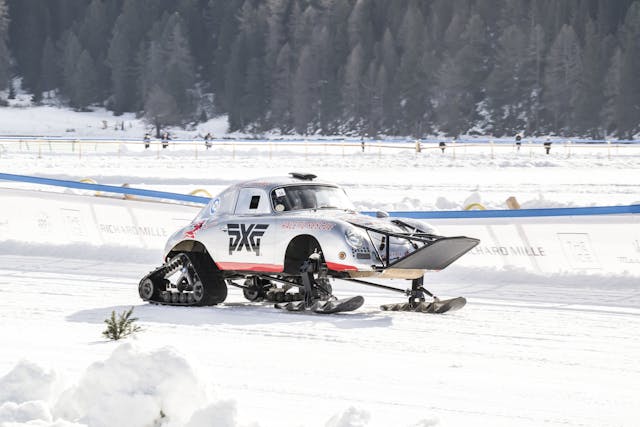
(298, 197)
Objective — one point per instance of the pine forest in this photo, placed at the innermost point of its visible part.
(327, 67)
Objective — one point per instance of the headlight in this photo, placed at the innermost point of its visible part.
(355, 239)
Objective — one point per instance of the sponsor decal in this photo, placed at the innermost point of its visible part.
(307, 225)
(132, 230)
(529, 251)
(44, 222)
(631, 260)
(71, 218)
(191, 234)
(246, 236)
(579, 251)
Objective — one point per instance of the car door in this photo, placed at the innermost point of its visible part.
(251, 234)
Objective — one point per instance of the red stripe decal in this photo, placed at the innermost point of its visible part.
(340, 267)
(244, 266)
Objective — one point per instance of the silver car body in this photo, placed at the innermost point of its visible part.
(249, 226)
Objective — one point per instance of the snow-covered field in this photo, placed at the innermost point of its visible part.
(527, 350)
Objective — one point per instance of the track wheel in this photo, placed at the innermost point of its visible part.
(149, 289)
(256, 289)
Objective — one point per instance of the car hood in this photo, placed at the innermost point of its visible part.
(355, 218)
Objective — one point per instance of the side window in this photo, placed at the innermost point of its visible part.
(252, 201)
(255, 201)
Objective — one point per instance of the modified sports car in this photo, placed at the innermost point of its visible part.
(283, 239)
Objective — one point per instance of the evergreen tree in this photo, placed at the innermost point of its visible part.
(94, 32)
(168, 71)
(304, 83)
(627, 97)
(51, 74)
(563, 71)
(161, 109)
(280, 106)
(590, 97)
(5, 56)
(613, 108)
(71, 51)
(411, 99)
(352, 91)
(84, 91)
(27, 32)
(123, 55)
(533, 75)
(507, 87)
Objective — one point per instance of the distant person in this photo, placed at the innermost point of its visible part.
(518, 141)
(418, 146)
(362, 143)
(207, 140)
(165, 139)
(442, 146)
(147, 140)
(547, 145)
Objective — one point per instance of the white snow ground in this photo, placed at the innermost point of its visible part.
(526, 351)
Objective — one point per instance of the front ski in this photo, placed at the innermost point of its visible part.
(324, 307)
(437, 306)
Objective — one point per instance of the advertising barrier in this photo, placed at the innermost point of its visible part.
(599, 240)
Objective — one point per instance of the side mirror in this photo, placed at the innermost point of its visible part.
(382, 214)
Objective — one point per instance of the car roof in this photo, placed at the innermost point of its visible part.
(269, 183)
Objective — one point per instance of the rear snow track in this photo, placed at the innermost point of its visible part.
(510, 357)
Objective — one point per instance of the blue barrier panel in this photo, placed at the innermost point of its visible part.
(596, 210)
(105, 188)
(518, 213)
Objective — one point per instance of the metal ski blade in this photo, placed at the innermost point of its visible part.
(436, 307)
(452, 304)
(402, 306)
(337, 306)
(291, 306)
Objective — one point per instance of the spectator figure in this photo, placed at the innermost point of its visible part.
(518, 141)
(547, 145)
(147, 140)
(207, 140)
(442, 146)
(165, 139)
(418, 146)
(362, 143)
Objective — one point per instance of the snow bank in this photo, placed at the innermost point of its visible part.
(26, 382)
(352, 417)
(136, 389)
(132, 388)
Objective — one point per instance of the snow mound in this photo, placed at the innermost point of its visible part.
(24, 412)
(25, 382)
(352, 417)
(132, 388)
(135, 389)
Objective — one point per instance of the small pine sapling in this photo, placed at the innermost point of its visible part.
(121, 327)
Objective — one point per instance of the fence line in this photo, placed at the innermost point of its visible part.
(452, 148)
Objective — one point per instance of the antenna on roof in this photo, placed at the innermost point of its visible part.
(303, 176)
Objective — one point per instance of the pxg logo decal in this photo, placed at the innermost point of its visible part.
(246, 236)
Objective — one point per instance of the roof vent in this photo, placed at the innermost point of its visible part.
(303, 176)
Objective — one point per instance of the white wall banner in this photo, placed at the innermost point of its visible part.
(588, 243)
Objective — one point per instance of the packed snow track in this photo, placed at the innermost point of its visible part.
(534, 353)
